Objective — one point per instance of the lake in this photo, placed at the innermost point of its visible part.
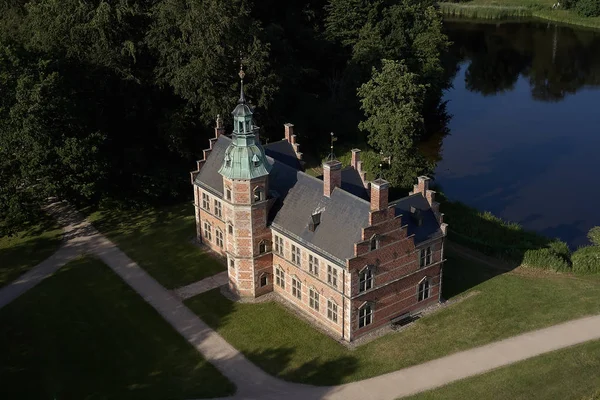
(524, 138)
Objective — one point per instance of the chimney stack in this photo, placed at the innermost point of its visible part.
(355, 159)
(289, 132)
(379, 194)
(422, 185)
(332, 176)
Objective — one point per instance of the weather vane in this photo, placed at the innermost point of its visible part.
(332, 154)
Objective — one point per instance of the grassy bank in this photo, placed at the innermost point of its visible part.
(87, 335)
(500, 306)
(505, 9)
(160, 241)
(26, 249)
(569, 374)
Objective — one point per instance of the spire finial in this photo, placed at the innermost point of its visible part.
(242, 74)
(332, 154)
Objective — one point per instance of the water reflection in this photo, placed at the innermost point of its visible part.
(556, 60)
(525, 130)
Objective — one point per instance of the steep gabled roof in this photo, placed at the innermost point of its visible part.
(343, 216)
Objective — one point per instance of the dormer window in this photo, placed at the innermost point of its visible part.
(255, 161)
(374, 243)
(365, 279)
(227, 160)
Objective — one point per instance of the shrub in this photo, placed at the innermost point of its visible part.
(567, 4)
(594, 235)
(586, 260)
(588, 8)
(555, 257)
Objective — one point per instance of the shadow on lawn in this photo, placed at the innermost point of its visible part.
(315, 372)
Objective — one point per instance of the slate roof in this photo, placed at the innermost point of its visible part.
(298, 196)
(430, 227)
(283, 151)
(343, 215)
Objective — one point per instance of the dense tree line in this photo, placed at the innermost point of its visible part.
(111, 101)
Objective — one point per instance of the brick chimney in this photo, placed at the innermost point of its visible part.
(379, 194)
(332, 176)
(289, 132)
(355, 159)
(422, 185)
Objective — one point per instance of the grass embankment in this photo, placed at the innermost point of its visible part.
(26, 249)
(506, 305)
(84, 334)
(504, 9)
(160, 241)
(568, 374)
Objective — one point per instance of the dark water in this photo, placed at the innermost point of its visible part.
(525, 132)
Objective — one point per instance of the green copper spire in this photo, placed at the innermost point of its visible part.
(244, 158)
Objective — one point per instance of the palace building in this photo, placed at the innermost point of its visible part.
(335, 247)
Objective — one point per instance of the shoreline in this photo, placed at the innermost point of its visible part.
(495, 13)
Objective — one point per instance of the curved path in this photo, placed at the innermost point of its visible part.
(251, 381)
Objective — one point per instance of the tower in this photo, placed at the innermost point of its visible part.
(245, 172)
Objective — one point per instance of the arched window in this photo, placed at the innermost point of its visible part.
(264, 279)
(264, 246)
(423, 290)
(374, 243)
(258, 194)
(366, 278)
(365, 315)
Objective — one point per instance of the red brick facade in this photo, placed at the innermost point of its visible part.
(388, 274)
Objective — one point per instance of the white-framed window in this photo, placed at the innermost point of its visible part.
(218, 210)
(228, 193)
(280, 277)
(205, 201)
(332, 276)
(374, 243)
(365, 315)
(296, 256)
(424, 290)
(313, 300)
(313, 265)
(279, 245)
(264, 246)
(332, 310)
(219, 235)
(296, 288)
(258, 194)
(365, 279)
(264, 280)
(425, 257)
(230, 228)
(207, 231)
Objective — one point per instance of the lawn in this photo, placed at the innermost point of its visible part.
(498, 9)
(84, 334)
(160, 241)
(568, 374)
(504, 305)
(26, 249)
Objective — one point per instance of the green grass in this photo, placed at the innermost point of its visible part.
(160, 241)
(503, 9)
(568, 374)
(506, 305)
(26, 249)
(84, 334)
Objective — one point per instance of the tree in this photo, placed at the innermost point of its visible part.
(392, 101)
(199, 44)
(345, 19)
